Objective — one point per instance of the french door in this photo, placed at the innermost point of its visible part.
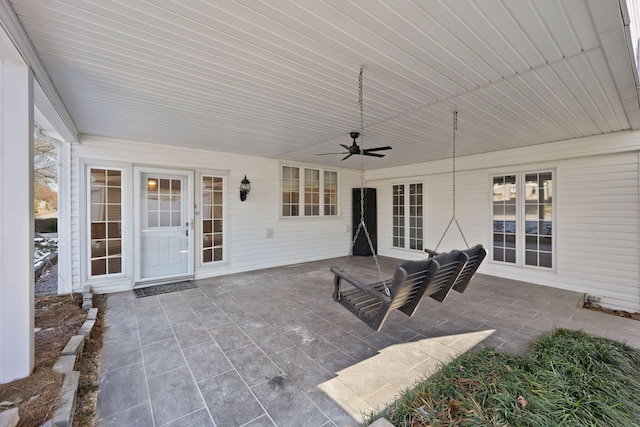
(164, 225)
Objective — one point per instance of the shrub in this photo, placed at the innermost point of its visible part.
(46, 225)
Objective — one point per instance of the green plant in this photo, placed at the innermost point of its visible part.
(46, 225)
(566, 378)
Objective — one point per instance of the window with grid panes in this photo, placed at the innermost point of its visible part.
(330, 193)
(407, 202)
(105, 213)
(504, 218)
(538, 205)
(302, 189)
(212, 219)
(529, 196)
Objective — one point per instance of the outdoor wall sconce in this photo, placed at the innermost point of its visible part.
(245, 188)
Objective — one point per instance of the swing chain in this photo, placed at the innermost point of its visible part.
(453, 217)
(455, 129)
(362, 225)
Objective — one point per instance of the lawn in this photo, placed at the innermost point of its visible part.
(567, 378)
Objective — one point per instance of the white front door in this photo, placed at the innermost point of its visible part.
(164, 225)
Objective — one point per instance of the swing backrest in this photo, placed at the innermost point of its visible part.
(450, 264)
(437, 284)
(475, 254)
(409, 279)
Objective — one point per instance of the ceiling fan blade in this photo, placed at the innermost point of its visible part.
(346, 147)
(347, 157)
(373, 154)
(326, 154)
(377, 149)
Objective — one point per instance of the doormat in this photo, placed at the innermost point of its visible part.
(164, 289)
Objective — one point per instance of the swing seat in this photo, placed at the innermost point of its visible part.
(475, 255)
(411, 281)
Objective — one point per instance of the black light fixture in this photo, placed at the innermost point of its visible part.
(245, 188)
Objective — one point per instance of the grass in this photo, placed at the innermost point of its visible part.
(567, 378)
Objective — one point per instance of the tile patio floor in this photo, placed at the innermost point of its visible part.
(271, 348)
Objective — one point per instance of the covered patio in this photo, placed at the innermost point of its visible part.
(271, 348)
(163, 108)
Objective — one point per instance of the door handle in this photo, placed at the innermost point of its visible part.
(187, 230)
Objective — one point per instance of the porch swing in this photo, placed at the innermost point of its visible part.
(412, 280)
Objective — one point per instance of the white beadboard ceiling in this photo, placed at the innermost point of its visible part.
(279, 78)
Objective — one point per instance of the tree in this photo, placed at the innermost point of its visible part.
(45, 172)
(45, 162)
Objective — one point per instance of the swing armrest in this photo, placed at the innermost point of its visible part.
(431, 253)
(341, 274)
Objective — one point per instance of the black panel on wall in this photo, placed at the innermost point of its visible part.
(361, 246)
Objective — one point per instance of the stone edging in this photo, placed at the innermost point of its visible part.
(63, 416)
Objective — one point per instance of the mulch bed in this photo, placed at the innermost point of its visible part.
(619, 313)
(57, 319)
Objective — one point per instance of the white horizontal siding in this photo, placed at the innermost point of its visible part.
(597, 203)
(597, 227)
(293, 240)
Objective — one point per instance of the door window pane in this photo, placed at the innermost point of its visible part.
(539, 219)
(504, 218)
(408, 228)
(415, 216)
(164, 202)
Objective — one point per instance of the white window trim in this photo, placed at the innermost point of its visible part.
(407, 222)
(85, 221)
(225, 219)
(521, 219)
(301, 192)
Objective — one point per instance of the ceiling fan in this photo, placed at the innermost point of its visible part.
(355, 149)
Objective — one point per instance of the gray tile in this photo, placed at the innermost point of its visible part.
(149, 304)
(336, 361)
(162, 356)
(247, 320)
(120, 299)
(307, 341)
(253, 365)
(229, 336)
(180, 314)
(212, 316)
(155, 327)
(288, 406)
(121, 389)
(173, 394)
(300, 369)
(269, 339)
(200, 418)
(352, 345)
(125, 331)
(229, 400)
(229, 304)
(117, 354)
(139, 416)
(206, 360)
(191, 333)
(331, 408)
(263, 421)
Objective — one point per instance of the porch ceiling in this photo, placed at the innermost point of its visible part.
(278, 78)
